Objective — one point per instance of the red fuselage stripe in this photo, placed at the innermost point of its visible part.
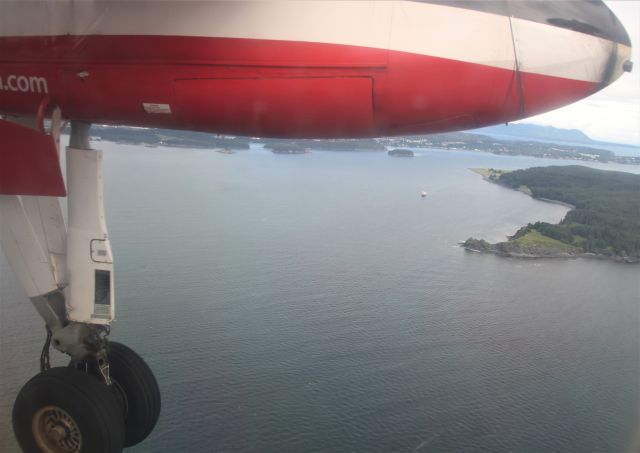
(296, 88)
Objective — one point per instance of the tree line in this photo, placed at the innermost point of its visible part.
(606, 215)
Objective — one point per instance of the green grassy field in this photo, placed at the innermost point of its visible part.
(536, 239)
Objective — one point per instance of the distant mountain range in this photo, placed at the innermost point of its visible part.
(536, 132)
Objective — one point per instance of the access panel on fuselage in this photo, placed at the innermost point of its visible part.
(278, 107)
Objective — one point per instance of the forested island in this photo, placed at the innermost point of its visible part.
(297, 146)
(453, 141)
(288, 148)
(399, 152)
(604, 221)
(188, 139)
(466, 141)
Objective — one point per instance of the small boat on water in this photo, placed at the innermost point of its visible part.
(423, 194)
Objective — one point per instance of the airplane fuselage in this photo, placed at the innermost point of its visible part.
(305, 69)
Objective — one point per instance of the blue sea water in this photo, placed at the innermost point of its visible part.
(316, 303)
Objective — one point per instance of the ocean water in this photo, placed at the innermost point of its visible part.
(315, 303)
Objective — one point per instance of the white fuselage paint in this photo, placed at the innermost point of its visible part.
(418, 28)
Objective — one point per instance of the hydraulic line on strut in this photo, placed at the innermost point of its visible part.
(45, 363)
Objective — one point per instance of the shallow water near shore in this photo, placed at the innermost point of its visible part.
(316, 303)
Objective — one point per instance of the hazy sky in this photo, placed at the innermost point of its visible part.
(612, 114)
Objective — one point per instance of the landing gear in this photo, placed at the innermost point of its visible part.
(135, 388)
(63, 410)
(109, 398)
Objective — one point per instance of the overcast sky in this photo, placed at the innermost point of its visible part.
(612, 114)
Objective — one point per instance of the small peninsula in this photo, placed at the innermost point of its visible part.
(604, 221)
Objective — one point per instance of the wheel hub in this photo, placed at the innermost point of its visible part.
(55, 431)
(58, 433)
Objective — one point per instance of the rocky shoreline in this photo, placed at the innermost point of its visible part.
(512, 249)
(544, 240)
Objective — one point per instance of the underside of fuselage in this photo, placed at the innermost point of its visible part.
(305, 69)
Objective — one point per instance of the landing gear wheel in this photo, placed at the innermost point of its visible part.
(63, 410)
(137, 389)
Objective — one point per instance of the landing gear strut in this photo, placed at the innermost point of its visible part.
(107, 398)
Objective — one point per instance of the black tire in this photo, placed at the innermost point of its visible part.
(138, 390)
(66, 410)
